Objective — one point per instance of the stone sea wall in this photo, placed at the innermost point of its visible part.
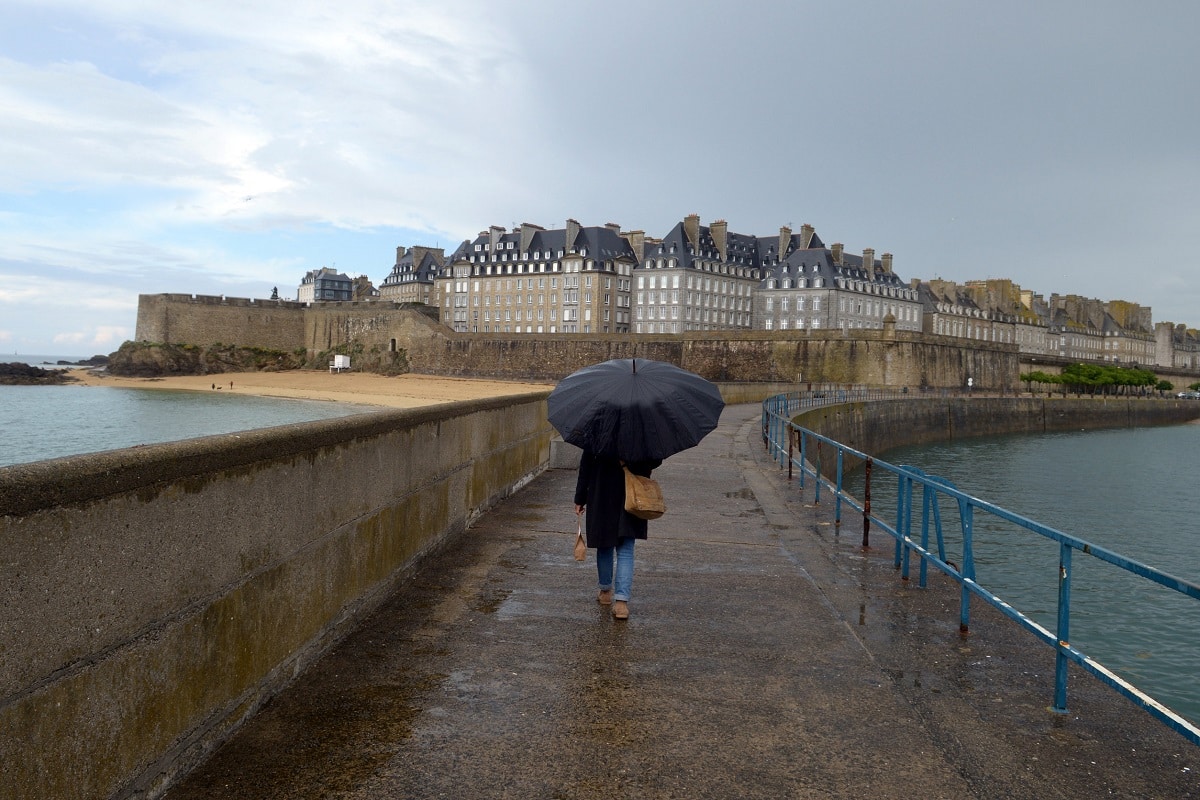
(876, 427)
(156, 597)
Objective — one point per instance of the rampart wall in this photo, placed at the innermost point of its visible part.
(864, 357)
(206, 320)
(157, 596)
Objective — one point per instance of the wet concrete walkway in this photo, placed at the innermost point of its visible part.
(767, 656)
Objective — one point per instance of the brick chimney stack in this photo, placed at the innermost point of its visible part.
(720, 235)
(572, 234)
(836, 249)
(494, 234)
(637, 243)
(399, 254)
(691, 228)
(806, 236)
(869, 259)
(785, 238)
(528, 229)
(887, 262)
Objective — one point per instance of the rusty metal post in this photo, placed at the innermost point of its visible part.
(791, 449)
(866, 543)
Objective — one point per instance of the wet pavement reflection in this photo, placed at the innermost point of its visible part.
(765, 657)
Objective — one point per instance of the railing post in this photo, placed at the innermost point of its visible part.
(899, 511)
(866, 542)
(837, 502)
(803, 455)
(1064, 628)
(927, 494)
(791, 449)
(904, 525)
(966, 513)
(817, 477)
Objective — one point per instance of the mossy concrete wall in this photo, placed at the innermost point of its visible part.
(155, 597)
(879, 426)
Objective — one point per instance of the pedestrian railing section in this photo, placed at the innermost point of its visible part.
(918, 516)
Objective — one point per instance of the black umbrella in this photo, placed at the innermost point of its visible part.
(634, 409)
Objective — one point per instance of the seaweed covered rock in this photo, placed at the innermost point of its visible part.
(17, 374)
(154, 360)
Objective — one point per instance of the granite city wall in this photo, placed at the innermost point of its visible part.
(864, 357)
(155, 597)
(207, 320)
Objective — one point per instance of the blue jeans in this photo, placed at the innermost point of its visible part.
(604, 567)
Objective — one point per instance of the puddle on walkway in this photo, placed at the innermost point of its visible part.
(741, 494)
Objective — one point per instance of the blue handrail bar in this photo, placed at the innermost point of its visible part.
(781, 436)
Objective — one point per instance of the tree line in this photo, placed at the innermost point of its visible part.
(1101, 379)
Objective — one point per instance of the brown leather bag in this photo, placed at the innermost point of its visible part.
(643, 496)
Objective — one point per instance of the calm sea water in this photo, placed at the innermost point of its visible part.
(1133, 491)
(41, 422)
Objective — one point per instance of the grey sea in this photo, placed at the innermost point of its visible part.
(42, 422)
(1134, 491)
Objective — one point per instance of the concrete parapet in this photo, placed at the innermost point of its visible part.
(159, 595)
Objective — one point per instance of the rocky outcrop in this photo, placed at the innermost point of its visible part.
(153, 360)
(17, 374)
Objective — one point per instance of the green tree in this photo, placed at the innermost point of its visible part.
(1164, 386)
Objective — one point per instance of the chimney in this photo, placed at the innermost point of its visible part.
(785, 238)
(887, 263)
(399, 254)
(836, 249)
(720, 231)
(494, 234)
(614, 227)
(418, 255)
(869, 259)
(528, 229)
(691, 227)
(806, 236)
(637, 243)
(572, 234)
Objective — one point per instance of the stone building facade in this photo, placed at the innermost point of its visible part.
(573, 279)
(412, 278)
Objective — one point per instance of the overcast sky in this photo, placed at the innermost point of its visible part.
(228, 147)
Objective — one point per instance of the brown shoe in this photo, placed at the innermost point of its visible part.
(620, 610)
(605, 597)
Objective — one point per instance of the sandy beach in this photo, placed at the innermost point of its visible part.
(402, 391)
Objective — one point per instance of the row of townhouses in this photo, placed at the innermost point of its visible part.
(602, 279)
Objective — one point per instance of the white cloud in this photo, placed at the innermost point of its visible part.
(222, 146)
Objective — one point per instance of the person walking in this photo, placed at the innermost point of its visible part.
(611, 530)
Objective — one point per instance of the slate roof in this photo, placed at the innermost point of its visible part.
(409, 268)
(597, 242)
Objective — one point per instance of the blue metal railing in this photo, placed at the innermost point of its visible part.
(823, 460)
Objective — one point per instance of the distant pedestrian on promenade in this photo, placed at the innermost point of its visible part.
(611, 531)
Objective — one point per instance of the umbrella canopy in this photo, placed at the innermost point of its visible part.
(634, 409)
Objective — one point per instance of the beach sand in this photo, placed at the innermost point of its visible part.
(402, 391)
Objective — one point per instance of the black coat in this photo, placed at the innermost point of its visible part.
(601, 488)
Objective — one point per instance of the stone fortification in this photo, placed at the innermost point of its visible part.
(879, 358)
(207, 320)
(392, 337)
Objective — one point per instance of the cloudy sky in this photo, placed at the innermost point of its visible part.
(228, 147)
